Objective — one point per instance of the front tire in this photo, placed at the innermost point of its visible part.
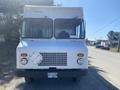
(28, 79)
(76, 79)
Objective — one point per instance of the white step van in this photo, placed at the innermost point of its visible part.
(52, 43)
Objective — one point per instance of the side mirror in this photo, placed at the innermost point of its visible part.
(83, 31)
(20, 30)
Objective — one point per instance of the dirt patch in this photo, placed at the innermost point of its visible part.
(114, 50)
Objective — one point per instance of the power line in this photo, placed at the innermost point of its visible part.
(113, 21)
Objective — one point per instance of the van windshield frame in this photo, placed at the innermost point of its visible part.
(77, 33)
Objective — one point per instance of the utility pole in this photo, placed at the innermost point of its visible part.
(119, 43)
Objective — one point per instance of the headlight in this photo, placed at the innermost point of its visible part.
(24, 61)
(79, 61)
(80, 55)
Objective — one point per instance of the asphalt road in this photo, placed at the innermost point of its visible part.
(102, 66)
(107, 61)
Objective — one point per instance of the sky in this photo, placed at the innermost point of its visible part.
(101, 16)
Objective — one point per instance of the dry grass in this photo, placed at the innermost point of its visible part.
(114, 49)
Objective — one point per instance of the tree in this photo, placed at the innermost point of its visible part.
(113, 38)
(111, 35)
(16, 6)
(11, 6)
(9, 27)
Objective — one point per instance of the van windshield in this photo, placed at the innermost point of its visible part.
(38, 28)
(67, 28)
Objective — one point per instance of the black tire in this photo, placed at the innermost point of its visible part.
(76, 79)
(28, 79)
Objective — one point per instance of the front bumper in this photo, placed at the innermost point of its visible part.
(44, 73)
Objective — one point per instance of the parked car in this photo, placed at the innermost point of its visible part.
(98, 46)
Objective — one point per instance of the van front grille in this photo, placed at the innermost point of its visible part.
(54, 59)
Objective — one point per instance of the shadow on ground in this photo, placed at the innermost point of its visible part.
(89, 57)
(93, 81)
(7, 61)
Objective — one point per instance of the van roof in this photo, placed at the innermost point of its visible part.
(35, 11)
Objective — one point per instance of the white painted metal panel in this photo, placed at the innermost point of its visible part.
(52, 12)
(71, 47)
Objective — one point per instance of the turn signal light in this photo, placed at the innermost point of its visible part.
(23, 55)
(80, 55)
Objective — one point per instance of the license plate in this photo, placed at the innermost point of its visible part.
(52, 75)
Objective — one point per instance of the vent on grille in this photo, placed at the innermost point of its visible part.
(54, 59)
